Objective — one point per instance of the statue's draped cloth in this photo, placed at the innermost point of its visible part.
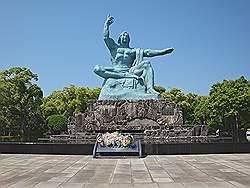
(137, 61)
(138, 57)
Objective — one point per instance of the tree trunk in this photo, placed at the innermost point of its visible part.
(237, 128)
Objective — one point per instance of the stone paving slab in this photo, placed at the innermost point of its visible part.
(153, 171)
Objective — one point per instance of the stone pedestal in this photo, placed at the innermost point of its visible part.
(153, 121)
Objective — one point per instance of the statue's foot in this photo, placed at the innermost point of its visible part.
(152, 91)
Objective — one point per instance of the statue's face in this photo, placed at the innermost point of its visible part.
(124, 38)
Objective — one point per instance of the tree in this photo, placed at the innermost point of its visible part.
(201, 114)
(188, 102)
(192, 101)
(69, 100)
(20, 100)
(175, 95)
(229, 103)
(227, 106)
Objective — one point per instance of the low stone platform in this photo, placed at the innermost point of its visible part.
(152, 121)
(155, 171)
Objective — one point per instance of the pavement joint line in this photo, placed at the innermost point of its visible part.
(149, 172)
(199, 169)
(157, 159)
(74, 173)
(236, 165)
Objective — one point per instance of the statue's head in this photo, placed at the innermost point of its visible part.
(124, 38)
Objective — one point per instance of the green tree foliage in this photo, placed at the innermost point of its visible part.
(69, 100)
(174, 95)
(192, 101)
(159, 89)
(188, 102)
(227, 105)
(20, 100)
(57, 124)
(201, 112)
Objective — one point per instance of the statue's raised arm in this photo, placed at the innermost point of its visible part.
(109, 41)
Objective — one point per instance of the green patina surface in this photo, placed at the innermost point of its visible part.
(130, 76)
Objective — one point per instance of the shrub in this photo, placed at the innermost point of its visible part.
(9, 138)
(57, 123)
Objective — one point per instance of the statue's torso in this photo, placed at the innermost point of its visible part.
(123, 58)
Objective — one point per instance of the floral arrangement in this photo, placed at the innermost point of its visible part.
(115, 139)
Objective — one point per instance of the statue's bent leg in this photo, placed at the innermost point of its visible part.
(146, 70)
(102, 71)
(110, 72)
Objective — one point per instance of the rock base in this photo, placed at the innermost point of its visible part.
(152, 121)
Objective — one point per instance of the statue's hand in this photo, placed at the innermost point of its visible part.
(130, 75)
(131, 70)
(169, 50)
(135, 76)
(109, 20)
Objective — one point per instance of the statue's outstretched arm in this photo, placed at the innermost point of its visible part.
(152, 53)
(109, 41)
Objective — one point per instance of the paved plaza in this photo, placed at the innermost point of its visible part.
(154, 171)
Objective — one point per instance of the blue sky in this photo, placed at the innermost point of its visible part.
(61, 40)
